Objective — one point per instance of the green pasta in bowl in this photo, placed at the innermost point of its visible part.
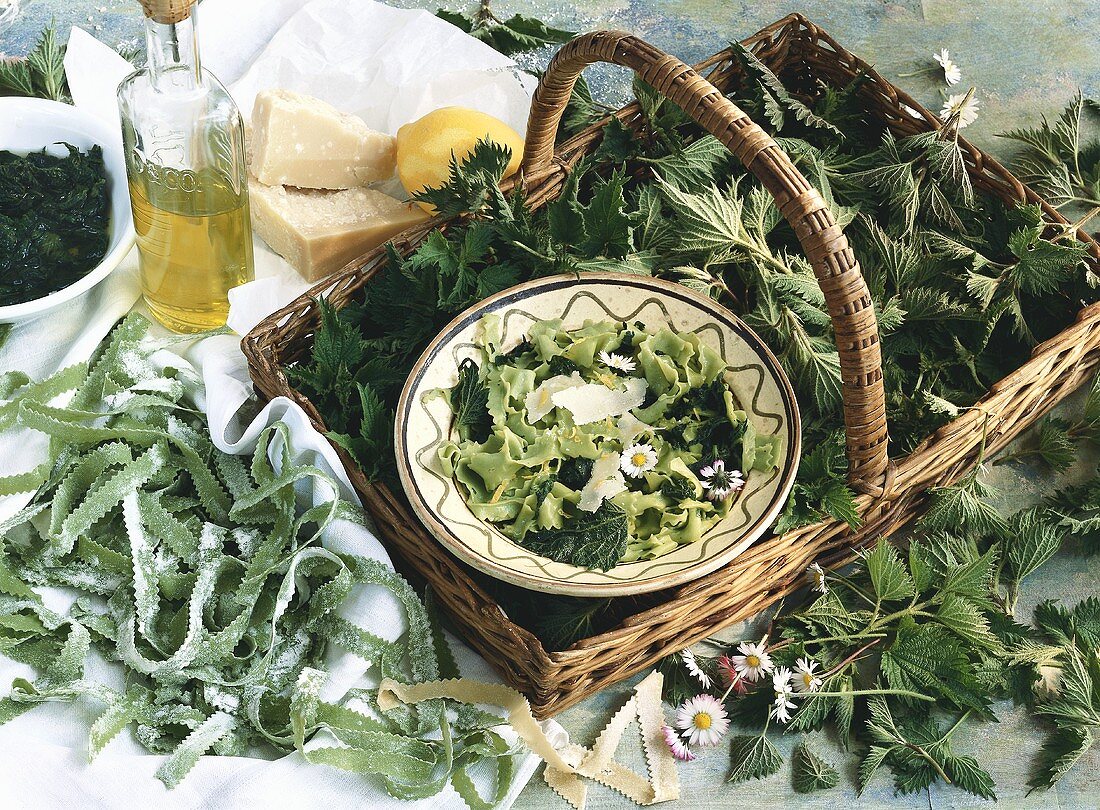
(602, 444)
(594, 436)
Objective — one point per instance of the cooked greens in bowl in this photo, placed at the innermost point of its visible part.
(55, 218)
(601, 444)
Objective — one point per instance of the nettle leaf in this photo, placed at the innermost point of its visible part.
(921, 567)
(16, 77)
(1042, 266)
(517, 34)
(564, 217)
(47, 61)
(809, 772)
(775, 97)
(1056, 446)
(1081, 622)
(41, 74)
(663, 119)
(888, 575)
(1056, 161)
(470, 402)
(590, 540)
(698, 164)
(608, 225)
(472, 183)
(872, 760)
(839, 502)
(946, 162)
(583, 110)
(1060, 752)
(971, 579)
(1034, 538)
(966, 620)
(753, 758)
(926, 659)
(963, 508)
(1092, 403)
(710, 220)
(966, 773)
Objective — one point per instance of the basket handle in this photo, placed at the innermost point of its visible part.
(838, 273)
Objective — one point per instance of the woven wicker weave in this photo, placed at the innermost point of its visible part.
(893, 491)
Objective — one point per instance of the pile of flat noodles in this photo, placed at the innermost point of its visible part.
(523, 475)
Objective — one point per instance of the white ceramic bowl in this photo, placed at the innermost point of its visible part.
(28, 125)
(424, 420)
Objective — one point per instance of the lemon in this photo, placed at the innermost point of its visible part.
(424, 146)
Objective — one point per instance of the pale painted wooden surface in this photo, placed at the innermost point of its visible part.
(1025, 57)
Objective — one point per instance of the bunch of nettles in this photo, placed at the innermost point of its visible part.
(912, 645)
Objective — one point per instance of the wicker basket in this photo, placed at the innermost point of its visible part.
(892, 491)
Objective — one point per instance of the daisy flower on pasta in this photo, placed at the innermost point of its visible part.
(617, 362)
(638, 459)
(719, 482)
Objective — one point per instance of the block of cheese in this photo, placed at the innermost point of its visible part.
(318, 232)
(299, 140)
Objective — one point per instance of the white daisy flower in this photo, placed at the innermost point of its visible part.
(637, 459)
(702, 720)
(805, 679)
(963, 105)
(719, 482)
(754, 662)
(782, 680)
(676, 745)
(692, 666)
(617, 362)
(783, 706)
(784, 690)
(951, 73)
(816, 574)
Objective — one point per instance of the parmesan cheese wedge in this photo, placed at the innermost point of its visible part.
(318, 232)
(592, 402)
(298, 140)
(605, 482)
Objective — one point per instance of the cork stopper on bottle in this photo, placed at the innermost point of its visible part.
(167, 12)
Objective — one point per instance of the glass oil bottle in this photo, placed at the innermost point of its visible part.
(185, 160)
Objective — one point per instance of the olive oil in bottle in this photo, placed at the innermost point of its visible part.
(185, 158)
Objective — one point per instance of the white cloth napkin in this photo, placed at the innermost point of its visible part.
(389, 66)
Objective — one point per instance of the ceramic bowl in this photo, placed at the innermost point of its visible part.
(30, 124)
(423, 422)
